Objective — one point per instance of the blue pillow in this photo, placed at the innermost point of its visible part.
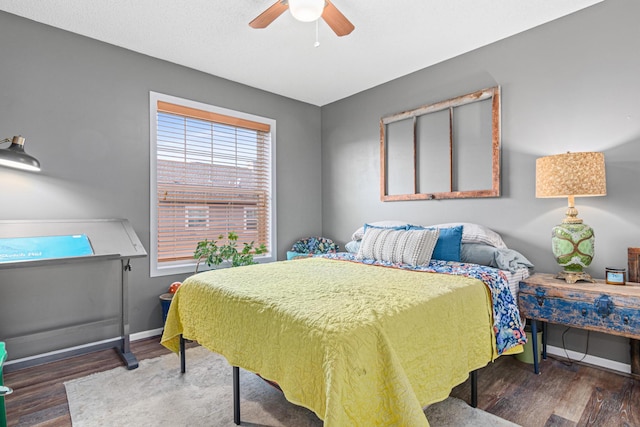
(449, 242)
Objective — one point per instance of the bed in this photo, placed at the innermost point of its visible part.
(359, 342)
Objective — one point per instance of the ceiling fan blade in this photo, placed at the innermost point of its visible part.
(336, 20)
(269, 15)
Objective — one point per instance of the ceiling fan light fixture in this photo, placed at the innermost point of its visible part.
(306, 10)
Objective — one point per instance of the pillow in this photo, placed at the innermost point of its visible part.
(413, 247)
(353, 246)
(314, 245)
(476, 233)
(502, 258)
(448, 245)
(357, 235)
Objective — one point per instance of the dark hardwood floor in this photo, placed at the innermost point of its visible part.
(39, 397)
(562, 395)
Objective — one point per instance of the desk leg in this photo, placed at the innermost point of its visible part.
(126, 355)
(534, 344)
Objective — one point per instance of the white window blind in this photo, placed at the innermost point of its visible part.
(213, 176)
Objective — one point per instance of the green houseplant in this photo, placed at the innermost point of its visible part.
(214, 253)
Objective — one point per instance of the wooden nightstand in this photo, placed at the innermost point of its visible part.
(594, 306)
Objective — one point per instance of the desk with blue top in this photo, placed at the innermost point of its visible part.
(65, 288)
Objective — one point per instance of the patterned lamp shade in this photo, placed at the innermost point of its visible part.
(572, 175)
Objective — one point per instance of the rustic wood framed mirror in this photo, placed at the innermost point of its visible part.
(446, 150)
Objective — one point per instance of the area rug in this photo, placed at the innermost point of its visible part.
(156, 394)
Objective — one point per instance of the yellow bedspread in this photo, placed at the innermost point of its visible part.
(359, 345)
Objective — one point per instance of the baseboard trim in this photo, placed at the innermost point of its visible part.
(591, 360)
(146, 334)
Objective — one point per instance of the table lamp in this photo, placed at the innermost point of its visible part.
(572, 175)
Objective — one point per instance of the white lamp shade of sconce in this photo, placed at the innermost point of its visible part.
(306, 10)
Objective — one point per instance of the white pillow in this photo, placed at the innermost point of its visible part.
(413, 247)
(476, 233)
(357, 235)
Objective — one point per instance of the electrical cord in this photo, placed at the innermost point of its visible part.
(564, 347)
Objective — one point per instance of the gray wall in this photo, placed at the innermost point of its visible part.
(83, 106)
(569, 85)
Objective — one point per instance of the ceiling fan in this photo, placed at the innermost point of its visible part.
(306, 11)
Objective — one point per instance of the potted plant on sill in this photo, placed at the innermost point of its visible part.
(212, 253)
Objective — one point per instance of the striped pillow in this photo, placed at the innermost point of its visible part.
(413, 247)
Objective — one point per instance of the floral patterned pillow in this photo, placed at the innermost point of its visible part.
(314, 245)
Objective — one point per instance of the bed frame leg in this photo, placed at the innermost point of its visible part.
(183, 358)
(474, 388)
(236, 395)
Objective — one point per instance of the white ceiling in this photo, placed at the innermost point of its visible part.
(391, 39)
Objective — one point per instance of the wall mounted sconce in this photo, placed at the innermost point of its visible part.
(14, 156)
(572, 175)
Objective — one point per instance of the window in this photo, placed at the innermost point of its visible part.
(211, 173)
